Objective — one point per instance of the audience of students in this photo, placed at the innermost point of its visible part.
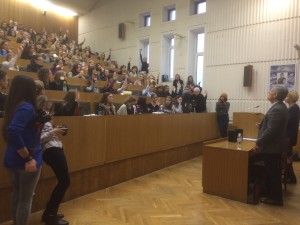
(45, 75)
(168, 106)
(66, 53)
(153, 106)
(177, 86)
(177, 106)
(128, 108)
(141, 105)
(106, 106)
(4, 48)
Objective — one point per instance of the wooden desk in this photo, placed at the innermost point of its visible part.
(225, 169)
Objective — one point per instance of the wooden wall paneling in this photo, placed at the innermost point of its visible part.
(103, 151)
(247, 121)
(205, 127)
(127, 134)
(5, 203)
(32, 17)
(4, 181)
(85, 142)
(155, 133)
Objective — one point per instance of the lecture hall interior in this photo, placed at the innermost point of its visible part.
(162, 169)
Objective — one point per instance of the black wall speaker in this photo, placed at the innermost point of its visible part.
(122, 30)
(248, 73)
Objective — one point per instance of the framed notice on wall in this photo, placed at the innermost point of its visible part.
(283, 75)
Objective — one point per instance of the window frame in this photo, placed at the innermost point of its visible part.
(171, 56)
(146, 19)
(197, 3)
(170, 12)
(143, 19)
(167, 12)
(197, 55)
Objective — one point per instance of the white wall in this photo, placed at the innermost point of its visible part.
(238, 33)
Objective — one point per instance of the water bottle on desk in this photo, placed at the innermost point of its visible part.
(161, 108)
(65, 86)
(239, 141)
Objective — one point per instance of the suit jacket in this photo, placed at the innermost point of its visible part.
(272, 131)
(293, 124)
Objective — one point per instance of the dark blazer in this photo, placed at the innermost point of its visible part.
(272, 130)
(293, 124)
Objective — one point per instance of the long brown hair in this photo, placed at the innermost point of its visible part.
(22, 89)
(105, 97)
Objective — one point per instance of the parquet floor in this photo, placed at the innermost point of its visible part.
(173, 196)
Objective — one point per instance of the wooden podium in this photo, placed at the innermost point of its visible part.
(247, 121)
(225, 169)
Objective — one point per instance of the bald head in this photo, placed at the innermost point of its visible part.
(196, 91)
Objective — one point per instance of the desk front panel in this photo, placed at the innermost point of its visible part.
(225, 170)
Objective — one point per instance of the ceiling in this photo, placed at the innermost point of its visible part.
(79, 6)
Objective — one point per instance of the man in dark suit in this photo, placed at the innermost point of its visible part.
(270, 144)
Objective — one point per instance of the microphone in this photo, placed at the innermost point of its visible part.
(255, 107)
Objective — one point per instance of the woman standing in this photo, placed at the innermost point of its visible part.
(53, 156)
(292, 132)
(23, 155)
(190, 82)
(222, 108)
(177, 86)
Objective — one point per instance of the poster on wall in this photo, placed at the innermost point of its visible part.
(283, 75)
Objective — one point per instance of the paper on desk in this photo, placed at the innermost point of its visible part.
(250, 139)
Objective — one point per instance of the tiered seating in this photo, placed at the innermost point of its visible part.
(22, 63)
(87, 100)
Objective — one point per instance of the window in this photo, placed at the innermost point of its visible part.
(171, 14)
(200, 58)
(197, 7)
(147, 51)
(200, 7)
(171, 57)
(167, 56)
(147, 21)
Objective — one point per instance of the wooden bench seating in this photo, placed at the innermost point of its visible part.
(22, 63)
(88, 101)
